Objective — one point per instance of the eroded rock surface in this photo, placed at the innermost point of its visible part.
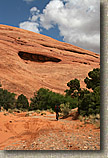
(29, 61)
(37, 57)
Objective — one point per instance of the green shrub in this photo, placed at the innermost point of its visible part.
(74, 88)
(7, 99)
(80, 118)
(45, 99)
(22, 102)
(93, 80)
(16, 110)
(65, 109)
(90, 104)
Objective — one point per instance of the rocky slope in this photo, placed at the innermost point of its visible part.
(29, 61)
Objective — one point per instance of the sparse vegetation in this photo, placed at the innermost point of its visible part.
(50, 110)
(16, 110)
(38, 111)
(80, 118)
(65, 109)
(88, 102)
(10, 111)
(7, 99)
(22, 102)
(93, 80)
(91, 119)
(45, 99)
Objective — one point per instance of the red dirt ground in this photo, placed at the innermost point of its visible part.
(43, 132)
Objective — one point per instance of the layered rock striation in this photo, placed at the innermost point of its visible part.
(29, 61)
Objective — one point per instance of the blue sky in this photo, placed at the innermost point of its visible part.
(12, 12)
(72, 21)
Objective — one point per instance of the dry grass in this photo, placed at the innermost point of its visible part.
(92, 119)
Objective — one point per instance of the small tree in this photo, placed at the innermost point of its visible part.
(22, 102)
(93, 80)
(90, 104)
(7, 99)
(74, 86)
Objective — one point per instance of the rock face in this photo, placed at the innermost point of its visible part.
(29, 61)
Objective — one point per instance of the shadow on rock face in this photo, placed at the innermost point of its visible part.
(37, 57)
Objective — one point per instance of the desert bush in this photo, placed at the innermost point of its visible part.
(38, 111)
(65, 109)
(50, 110)
(2, 109)
(97, 116)
(95, 120)
(88, 102)
(22, 102)
(10, 110)
(97, 124)
(24, 110)
(80, 118)
(74, 88)
(16, 110)
(45, 99)
(7, 99)
(93, 80)
(92, 119)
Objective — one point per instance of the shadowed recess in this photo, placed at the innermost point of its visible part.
(37, 57)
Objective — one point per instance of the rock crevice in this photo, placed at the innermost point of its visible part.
(37, 57)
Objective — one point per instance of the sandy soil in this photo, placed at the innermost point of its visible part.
(43, 132)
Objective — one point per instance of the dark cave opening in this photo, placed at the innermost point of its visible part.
(37, 57)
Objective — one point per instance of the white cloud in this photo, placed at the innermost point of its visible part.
(31, 26)
(32, 23)
(34, 11)
(34, 15)
(78, 21)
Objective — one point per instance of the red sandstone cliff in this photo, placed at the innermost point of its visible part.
(29, 61)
